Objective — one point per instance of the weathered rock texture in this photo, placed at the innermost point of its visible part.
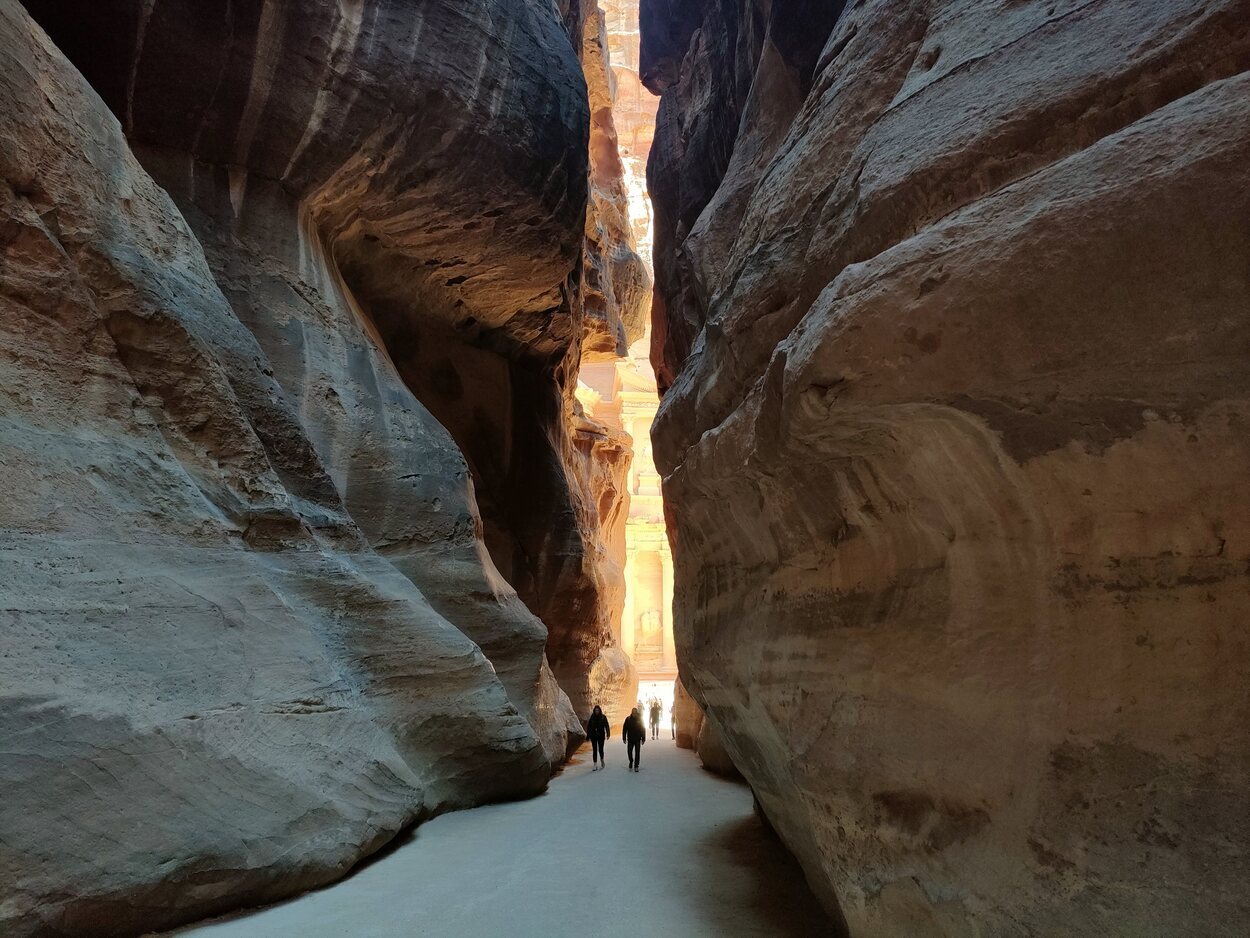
(616, 285)
(711, 749)
(614, 684)
(633, 112)
(602, 459)
(695, 731)
(402, 169)
(289, 344)
(689, 716)
(615, 296)
(954, 302)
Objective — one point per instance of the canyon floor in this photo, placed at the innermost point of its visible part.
(670, 850)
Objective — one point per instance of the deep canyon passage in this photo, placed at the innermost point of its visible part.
(386, 382)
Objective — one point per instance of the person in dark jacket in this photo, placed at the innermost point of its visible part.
(635, 735)
(656, 708)
(598, 729)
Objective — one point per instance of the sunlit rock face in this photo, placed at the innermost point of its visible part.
(633, 110)
(952, 299)
(615, 297)
(614, 684)
(616, 285)
(291, 303)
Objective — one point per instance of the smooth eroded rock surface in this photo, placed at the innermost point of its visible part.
(292, 304)
(393, 195)
(952, 302)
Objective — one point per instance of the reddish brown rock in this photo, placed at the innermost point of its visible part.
(689, 717)
(953, 309)
(633, 111)
(616, 285)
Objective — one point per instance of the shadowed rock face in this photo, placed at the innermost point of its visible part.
(952, 302)
(402, 185)
(287, 341)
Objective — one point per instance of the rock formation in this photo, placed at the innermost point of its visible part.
(695, 731)
(689, 717)
(293, 311)
(952, 310)
(712, 752)
(616, 283)
(614, 684)
(615, 291)
(604, 454)
(633, 112)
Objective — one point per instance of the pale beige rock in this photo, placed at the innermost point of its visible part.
(954, 456)
(620, 398)
(712, 752)
(695, 731)
(599, 464)
(605, 454)
(614, 684)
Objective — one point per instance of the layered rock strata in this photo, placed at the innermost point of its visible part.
(633, 112)
(615, 295)
(952, 306)
(445, 206)
(296, 506)
(616, 286)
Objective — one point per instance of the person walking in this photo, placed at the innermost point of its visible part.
(598, 729)
(656, 709)
(634, 734)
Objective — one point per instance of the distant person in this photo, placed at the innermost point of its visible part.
(672, 719)
(656, 710)
(598, 729)
(634, 734)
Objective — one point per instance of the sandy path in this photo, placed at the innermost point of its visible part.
(671, 850)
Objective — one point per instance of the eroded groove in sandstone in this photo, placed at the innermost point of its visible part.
(950, 312)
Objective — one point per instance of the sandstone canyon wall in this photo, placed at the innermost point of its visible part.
(616, 292)
(292, 298)
(952, 305)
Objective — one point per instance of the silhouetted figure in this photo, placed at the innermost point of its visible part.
(656, 710)
(598, 729)
(635, 734)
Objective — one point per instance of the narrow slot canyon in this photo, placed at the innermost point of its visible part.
(848, 397)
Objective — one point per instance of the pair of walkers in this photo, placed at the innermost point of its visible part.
(633, 732)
